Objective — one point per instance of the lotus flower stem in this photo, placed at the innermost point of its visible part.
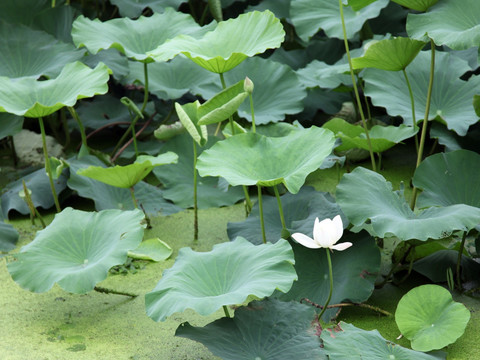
(253, 113)
(111, 291)
(425, 120)
(412, 102)
(260, 208)
(195, 200)
(225, 310)
(47, 164)
(459, 261)
(280, 209)
(355, 89)
(80, 125)
(330, 273)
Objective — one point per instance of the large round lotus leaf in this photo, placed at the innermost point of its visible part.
(309, 16)
(128, 175)
(448, 22)
(178, 178)
(368, 201)
(134, 8)
(419, 5)
(346, 342)
(134, 38)
(277, 91)
(381, 137)
(149, 197)
(451, 97)
(228, 275)
(29, 53)
(39, 185)
(8, 237)
(354, 273)
(77, 249)
(299, 210)
(389, 54)
(10, 124)
(250, 159)
(173, 79)
(448, 179)
(428, 316)
(267, 330)
(32, 98)
(229, 44)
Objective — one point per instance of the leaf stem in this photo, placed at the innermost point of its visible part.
(230, 119)
(330, 273)
(412, 103)
(47, 164)
(253, 113)
(370, 307)
(225, 310)
(425, 121)
(459, 261)
(355, 89)
(195, 200)
(280, 209)
(80, 125)
(132, 192)
(260, 208)
(111, 291)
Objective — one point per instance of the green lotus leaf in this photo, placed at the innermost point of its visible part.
(253, 159)
(32, 98)
(101, 111)
(10, 124)
(56, 21)
(256, 330)
(134, 8)
(115, 61)
(39, 184)
(229, 44)
(448, 22)
(381, 137)
(178, 178)
(149, 197)
(8, 237)
(134, 38)
(227, 275)
(419, 5)
(389, 54)
(189, 117)
(166, 132)
(358, 4)
(476, 104)
(300, 211)
(222, 105)
(448, 179)
(354, 273)
(129, 175)
(22, 12)
(428, 316)
(151, 249)
(367, 198)
(30, 53)
(280, 8)
(173, 79)
(309, 16)
(318, 73)
(348, 342)
(451, 97)
(77, 249)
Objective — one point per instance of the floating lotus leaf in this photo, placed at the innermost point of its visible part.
(30, 53)
(389, 54)
(348, 342)
(451, 97)
(227, 275)
(419, 5)
(8, 237)
(77, 249)
(110, 197)
(129, 175)
(32, 98)
(309, 16)
(381, 137)
(253, 159)
(134, 8)
(151, 249)
(268, 329)
(300, 211)
(448, 179)
(366, 197)
(428, 316)
(178, 178)
(448, 22)
(134, 38)
(354, 273)
(229, 44)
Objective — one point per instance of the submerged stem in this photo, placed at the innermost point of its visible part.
(459, 261)
(47, 165)
(260, 208)
(355, 89)
(195, 200)
(111, 291)
(330, 273)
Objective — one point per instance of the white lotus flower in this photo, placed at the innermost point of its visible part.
(325, 235)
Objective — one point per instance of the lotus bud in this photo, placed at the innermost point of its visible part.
(248, 85)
